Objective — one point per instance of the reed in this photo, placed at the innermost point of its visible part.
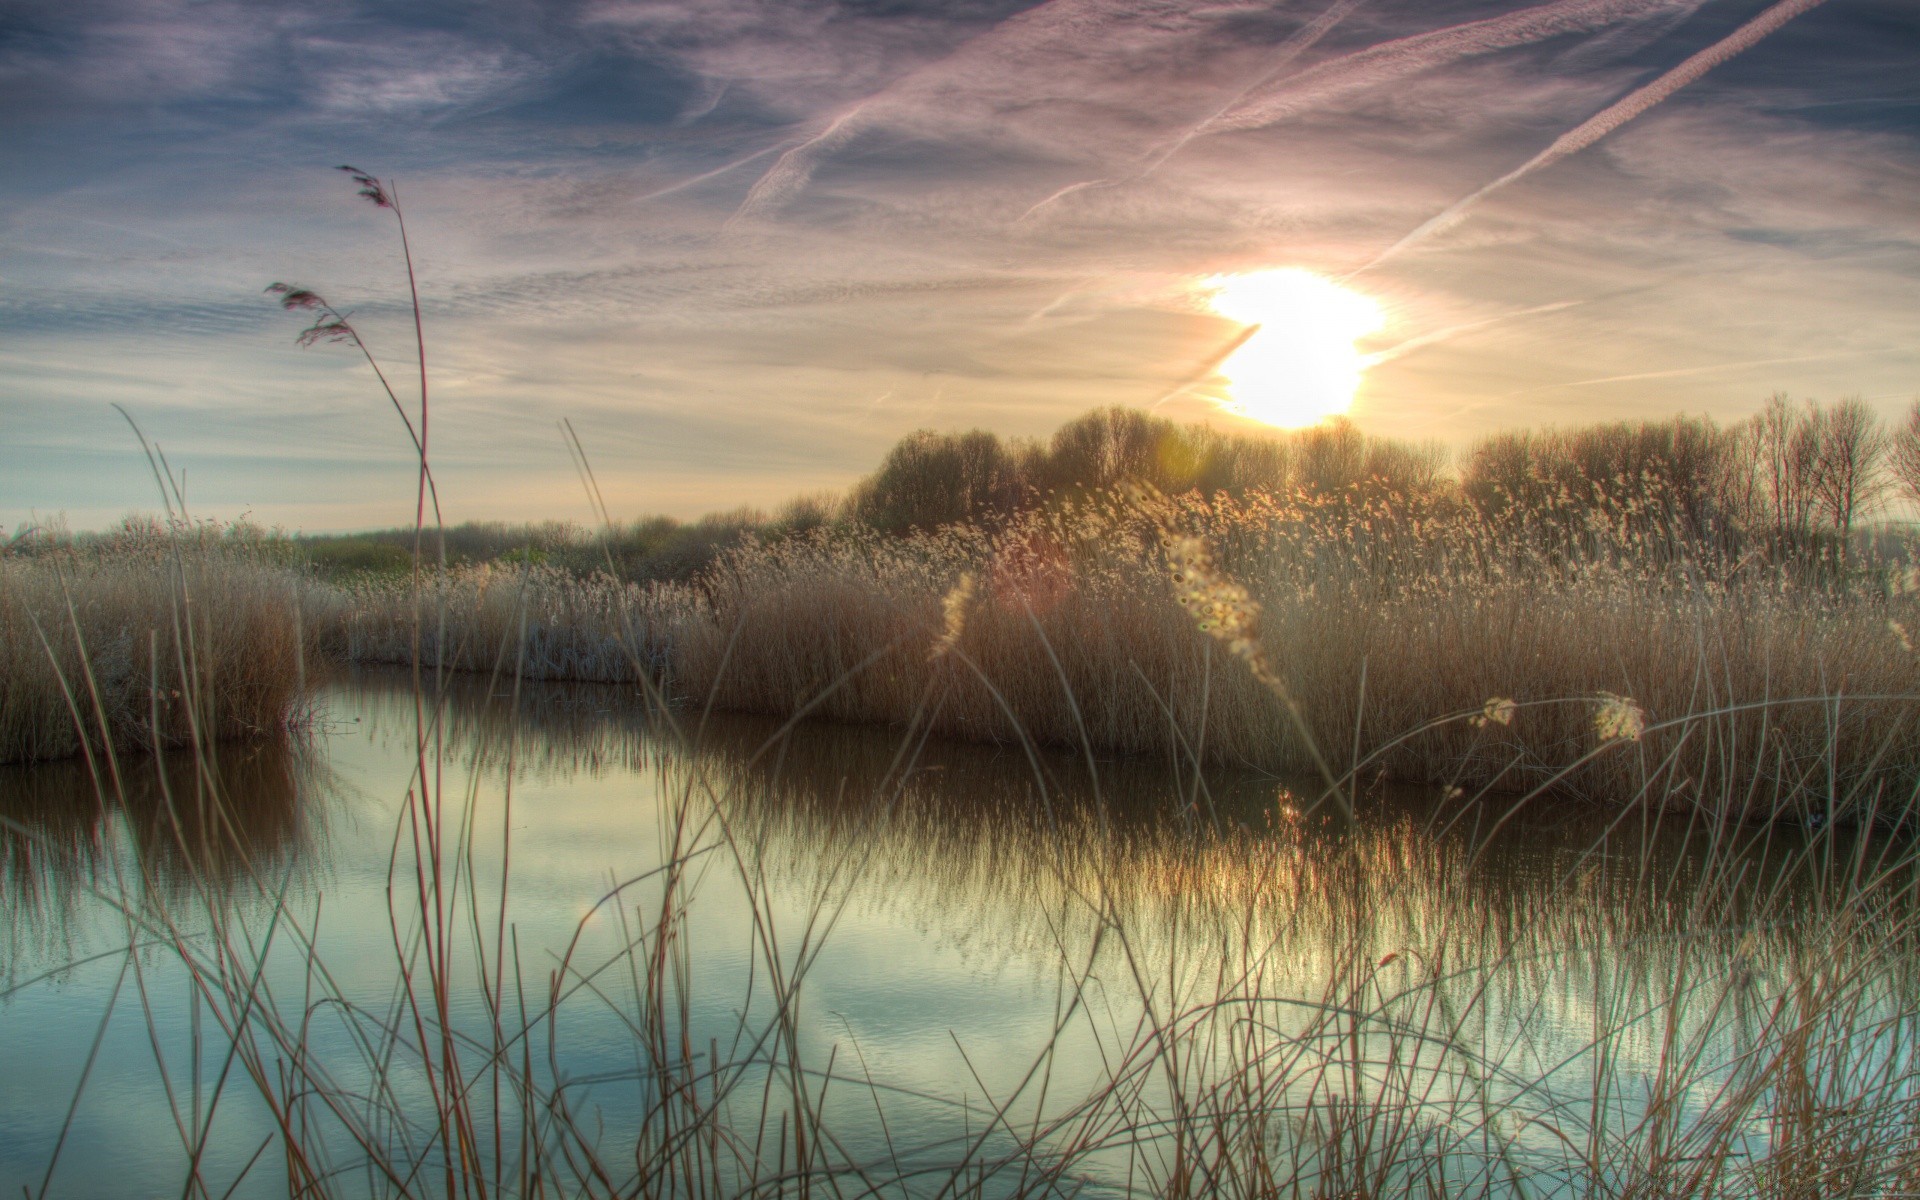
(1383, 620)
(1384, 617)
(550, 622)
(154, 639)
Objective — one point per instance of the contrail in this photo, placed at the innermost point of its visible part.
(1301, 41)
(1330, 80)
(684, 184)
(1677, 372)
(1615, 115)
(1209, 363)
(1046, 309)
(1402, 349)
(1015, 46)
(1070, 189)
(1007, 47)
(787, 177)
(790, 174)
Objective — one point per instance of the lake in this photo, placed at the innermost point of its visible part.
(714, 955)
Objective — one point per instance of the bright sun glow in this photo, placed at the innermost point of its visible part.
(1300, 365)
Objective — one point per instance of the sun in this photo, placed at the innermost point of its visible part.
(1299, 364)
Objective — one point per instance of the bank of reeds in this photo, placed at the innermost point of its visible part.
(1388, 620)
(1387, 623)
(542, 622)
(150, 640)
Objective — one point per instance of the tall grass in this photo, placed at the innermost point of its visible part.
(549, 622)
(1382, 613)
(155, 639)
(1382, 618)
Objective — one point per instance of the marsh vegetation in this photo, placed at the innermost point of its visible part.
(1713, 577)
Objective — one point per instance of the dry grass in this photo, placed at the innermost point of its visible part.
(146, 641)
(1390, 621)
(541, 621)
(1388, 625)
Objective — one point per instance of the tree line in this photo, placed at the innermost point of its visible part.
(1789, 484)
(929, 479)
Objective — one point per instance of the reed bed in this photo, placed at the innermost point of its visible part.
(1309, 1013)
(539, 621)
(1394, 629)
(154, 639)
(1620, 661)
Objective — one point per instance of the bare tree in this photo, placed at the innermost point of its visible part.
(1849, 476)
(1903, 455)
(1787, 458)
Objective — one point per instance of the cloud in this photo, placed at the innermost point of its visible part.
(419, 72)
(1105, 61)
(135, 54)
(570, 172)
(1634, 104)
(1328, 82)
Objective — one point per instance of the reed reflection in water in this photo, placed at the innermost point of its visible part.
(1027, 971)
(154, 827)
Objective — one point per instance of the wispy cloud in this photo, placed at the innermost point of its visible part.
(1329, 82)
(1300, 42)
(1060, 49)
(1632, 105)
(1741, 219)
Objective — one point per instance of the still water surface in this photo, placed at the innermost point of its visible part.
(976, 930)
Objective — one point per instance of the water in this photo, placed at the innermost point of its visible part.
(1019, 969)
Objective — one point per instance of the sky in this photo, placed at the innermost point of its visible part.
(743, 246)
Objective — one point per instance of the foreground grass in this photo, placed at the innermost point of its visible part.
(1298, 1009)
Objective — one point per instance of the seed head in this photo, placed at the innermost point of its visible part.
(1619, 717)
(1498, 710)
(1900, 635)
(953, 609)
(294, 298)
(328, 325)
(369, 187)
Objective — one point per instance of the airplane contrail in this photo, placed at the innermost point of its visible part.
(1087, 22)
(1402, 349)
(1301, 41)
(1209, 363)
(1615, 115)
(794, 169)
(1328, 81)
(684, 184)
(1678, 372)
(1016, 49)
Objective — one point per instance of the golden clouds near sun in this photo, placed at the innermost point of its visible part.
(1301, 364)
